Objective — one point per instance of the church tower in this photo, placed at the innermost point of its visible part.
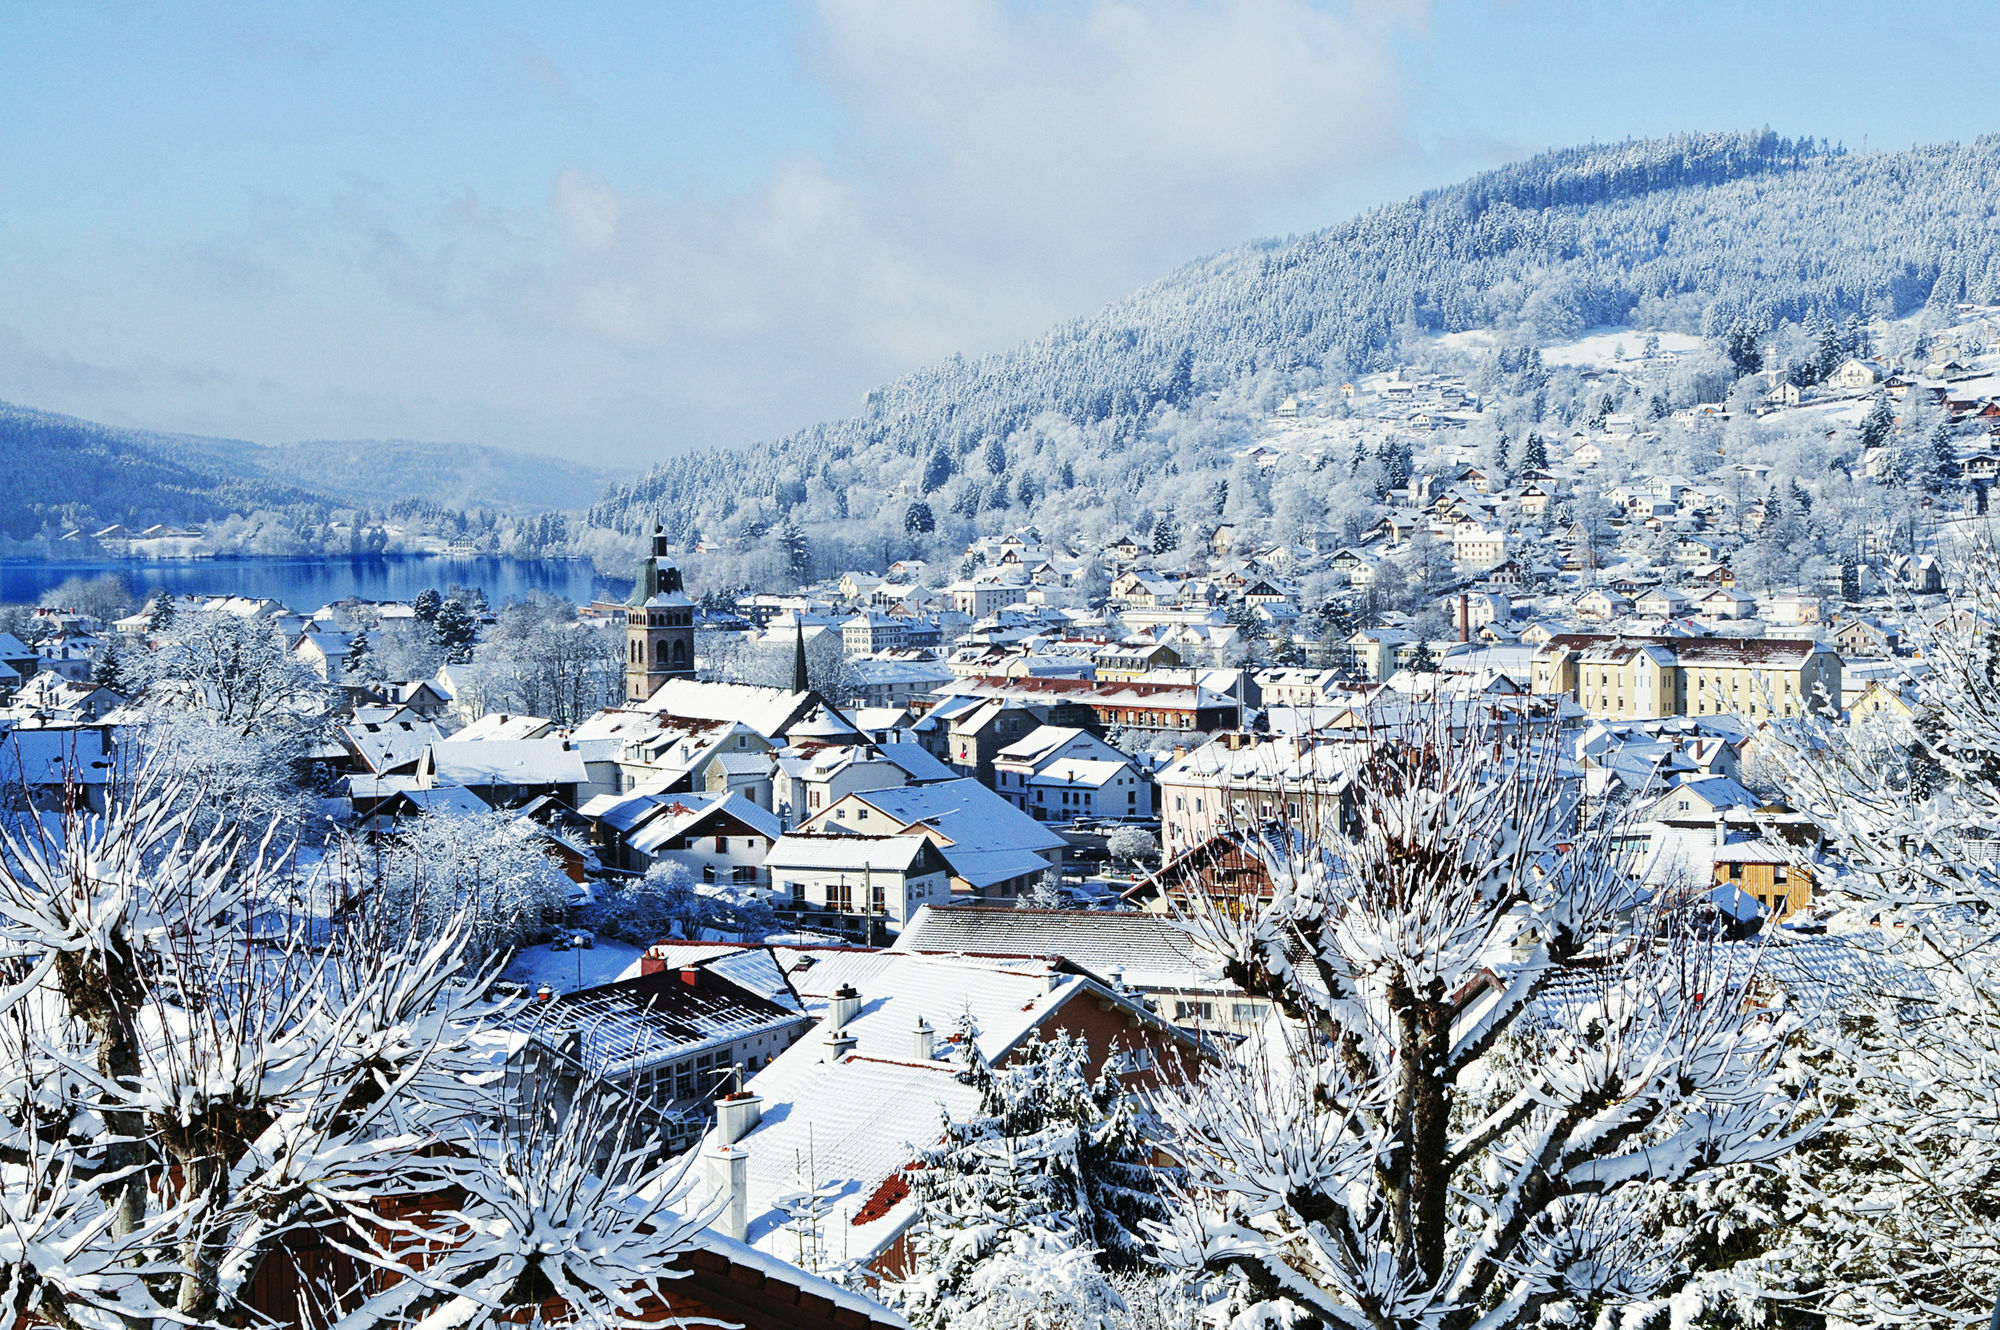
(659, 625)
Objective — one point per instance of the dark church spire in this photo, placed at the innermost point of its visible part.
(799, 684)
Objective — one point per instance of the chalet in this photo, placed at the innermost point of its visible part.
(717, 837)
(1058, 774)
(994, 851)
(857, 885)
(882, 1068)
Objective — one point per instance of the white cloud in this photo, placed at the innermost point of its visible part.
(1001, 166)
(1010, 166)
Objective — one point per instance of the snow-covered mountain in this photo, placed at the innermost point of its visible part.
(1140, 408)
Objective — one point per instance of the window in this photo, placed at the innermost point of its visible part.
(840, 897)
(799, 893)
(1194, 1011)
(722, 845)
(1243, 1012)
(1778, 874)
(862, 815)
(878, 898)
(1735, 871)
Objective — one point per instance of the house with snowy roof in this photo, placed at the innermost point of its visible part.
(812, 1159)
(1150, 954)
(994, 850)
(855, 885)
(1058, 773)
(669, 1038)
(46, 766)
(624, 749)
(386, 740)
(718, 837)
(508, 772)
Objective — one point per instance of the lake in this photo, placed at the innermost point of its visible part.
(305, 584)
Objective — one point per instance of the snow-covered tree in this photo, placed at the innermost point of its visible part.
(670, 901)
(1132, 844)
(235, 670)
(564, 1197)
(1027, 1206)
(182, 1107)
(1880, 1217)
(484, 874)
(231, 719)
(1491, 1054)
(174, 1104)
(107, 668)
(455, 630)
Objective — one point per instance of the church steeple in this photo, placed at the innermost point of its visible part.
(799, 681)
(659, 625)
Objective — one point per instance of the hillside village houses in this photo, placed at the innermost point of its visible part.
(949, 803)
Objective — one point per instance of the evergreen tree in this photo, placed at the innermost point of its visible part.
(163, 613)
(1877, 425)
(937, 470)
(359, 657)
(426, 605)
(1535, 457)
(918, 520)
(1937, 462)
(1850, 580)
(797, 551)
(994, 454)
(1047, 1187)
(108, 669)
(1166, 534)
(1423, 660)
(1743, 345)
(454, 631)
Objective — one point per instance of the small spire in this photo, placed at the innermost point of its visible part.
(659, 540)
(799, 684)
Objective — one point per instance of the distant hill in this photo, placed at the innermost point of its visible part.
(66, 472)
(1135, 410)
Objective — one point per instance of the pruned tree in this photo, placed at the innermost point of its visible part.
(1490, 1053)
(174, 1102)
(182, 1106)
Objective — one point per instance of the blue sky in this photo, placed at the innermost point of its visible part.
(613, 230)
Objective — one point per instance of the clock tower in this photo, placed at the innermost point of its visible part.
(659, 625)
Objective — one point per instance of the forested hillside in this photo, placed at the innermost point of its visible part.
(1134, 411)
(67, 473)
(64, 472)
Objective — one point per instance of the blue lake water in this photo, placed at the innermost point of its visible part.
(306, 584)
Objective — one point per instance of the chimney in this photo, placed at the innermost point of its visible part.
(924, 1041)
(728, 1169)
(690, 976)
(1464, 618)
(839, 1043)
(1721, 829)
(1117, 977)
(736, 1116)
(649, 963)
(545, 994)
(846, 1005)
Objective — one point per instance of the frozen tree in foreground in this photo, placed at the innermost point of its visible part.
(180, 1108)
(1893, 1218)
(564, 1200)
(1492, 1055)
